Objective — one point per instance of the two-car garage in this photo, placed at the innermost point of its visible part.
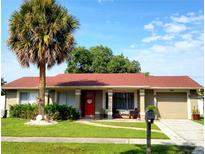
(172, 105)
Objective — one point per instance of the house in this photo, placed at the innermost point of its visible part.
(96, 94)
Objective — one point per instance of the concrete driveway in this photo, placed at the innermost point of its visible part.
(184, 132)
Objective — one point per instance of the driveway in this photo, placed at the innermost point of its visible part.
(184, 132)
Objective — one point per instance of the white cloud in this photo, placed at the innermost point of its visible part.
(158, 48)
(153, 24)
(150, 39)
(149, 26)
(187, 36)
(190, 17)
(157, 38)
(174, 28)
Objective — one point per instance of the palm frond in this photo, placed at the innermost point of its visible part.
(41, 30)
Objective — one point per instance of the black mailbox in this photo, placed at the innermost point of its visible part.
(149, 117)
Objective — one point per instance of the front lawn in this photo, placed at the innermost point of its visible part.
(65, 148)
(127, 124)
(16, 127)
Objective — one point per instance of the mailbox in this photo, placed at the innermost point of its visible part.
(149, 117)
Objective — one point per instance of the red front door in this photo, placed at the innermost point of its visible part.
(89, 103)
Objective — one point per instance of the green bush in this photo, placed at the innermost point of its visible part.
(24, 111)
(61, 112)
(153, 108)
(53, 111)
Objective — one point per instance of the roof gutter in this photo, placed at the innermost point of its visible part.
(102, 87)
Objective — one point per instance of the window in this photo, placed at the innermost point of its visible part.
(66, 98)
(28, 97)
(123, 101)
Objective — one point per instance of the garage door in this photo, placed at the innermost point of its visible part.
(172, 105)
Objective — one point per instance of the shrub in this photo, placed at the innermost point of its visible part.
(25, 111)
(61, 112)
(53, 111)
(153, 108)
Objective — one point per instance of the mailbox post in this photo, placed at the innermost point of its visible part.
(149, 117)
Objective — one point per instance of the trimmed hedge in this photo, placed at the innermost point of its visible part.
(61, 112)
(24, 111)
(54, 111)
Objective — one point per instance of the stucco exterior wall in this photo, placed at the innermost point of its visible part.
(193, 99)
(149, 97)
(11, 98)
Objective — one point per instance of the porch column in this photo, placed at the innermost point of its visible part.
(110, 94)
(155, 98)
(77, 100)
(18, 97)
(103, 99)
(135, 99)
(142, 103)
(189, 113)
(56, 97)
(155, 103)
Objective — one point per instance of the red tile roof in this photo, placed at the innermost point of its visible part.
(107, 80)
(172, 81)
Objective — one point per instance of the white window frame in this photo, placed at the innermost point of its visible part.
(67, 102)
(29, 92)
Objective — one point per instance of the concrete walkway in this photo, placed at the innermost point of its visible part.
(86, 122)
(184, 132)
(85, 140)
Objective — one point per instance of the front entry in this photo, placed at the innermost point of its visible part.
(89, 103)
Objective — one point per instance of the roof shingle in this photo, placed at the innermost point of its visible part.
(107, 79)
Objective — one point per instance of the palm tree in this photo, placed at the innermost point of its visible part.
(41, 33)
(3, 92)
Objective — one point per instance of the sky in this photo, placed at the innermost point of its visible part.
(165, 36)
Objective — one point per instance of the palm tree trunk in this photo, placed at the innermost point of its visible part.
(42, 84)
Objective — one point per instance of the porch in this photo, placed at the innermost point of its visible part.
(105, 103)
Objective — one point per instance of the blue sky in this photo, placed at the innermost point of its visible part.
(165, 36)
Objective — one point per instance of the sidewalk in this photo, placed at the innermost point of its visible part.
(112, 126)
(86, 140)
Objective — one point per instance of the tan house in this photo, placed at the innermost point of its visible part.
(95, 95)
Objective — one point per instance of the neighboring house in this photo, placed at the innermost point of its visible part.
(95, 94)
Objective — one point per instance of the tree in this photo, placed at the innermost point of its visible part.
(80, 61)
(133, 66)
(121, 64)
(41, 34)
(100, 57)
(146, 73)
(118, 64)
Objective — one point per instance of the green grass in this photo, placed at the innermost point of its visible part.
(16, 127)
(128, 124)
(201, 120)
(71, 148)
